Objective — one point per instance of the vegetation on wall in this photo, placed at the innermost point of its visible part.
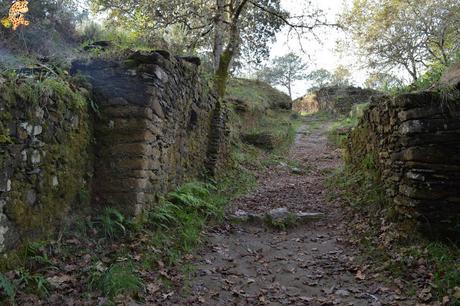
(35, 204)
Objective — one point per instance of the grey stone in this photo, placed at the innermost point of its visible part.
(55, 181)
(307, 216)
(38, 129)
(31, 197)
(39, 113)
(298, 171)
(279, 213)
(35, 158)
(184, 134)
(5, 183)
(342, 293)
(161, 74)
(156, 107)
(24, 155)
(27, 127)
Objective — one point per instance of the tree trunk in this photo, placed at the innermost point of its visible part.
(290, 91)
(219, 29)
(221, 75)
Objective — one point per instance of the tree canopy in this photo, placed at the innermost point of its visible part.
(407, 34)
(284, 70)
(227, 28)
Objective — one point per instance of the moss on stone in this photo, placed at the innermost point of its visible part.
(62, 171)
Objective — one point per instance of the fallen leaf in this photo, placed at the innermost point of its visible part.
(360, 275)
(58, 280)
(456, 292)
(152, 288)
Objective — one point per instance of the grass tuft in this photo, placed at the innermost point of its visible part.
(120, 278)
(112, 223)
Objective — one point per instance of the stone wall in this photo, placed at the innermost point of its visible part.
(159, 126)
(413, 141)
(44, 156)
(333, 99)
(307, 104)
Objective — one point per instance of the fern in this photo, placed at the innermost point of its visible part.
(9, 289)
(164, 215)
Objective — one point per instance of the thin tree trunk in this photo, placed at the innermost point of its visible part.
(219, 29)
(289, 89)
(226, 57)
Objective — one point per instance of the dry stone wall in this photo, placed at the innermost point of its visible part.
(333, 99)
(45, 164)
(159, 126)
(413, 141)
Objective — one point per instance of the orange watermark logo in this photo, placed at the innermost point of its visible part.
(16, 15)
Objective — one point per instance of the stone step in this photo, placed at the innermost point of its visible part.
(278, 215)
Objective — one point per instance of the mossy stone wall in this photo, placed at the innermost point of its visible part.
(45, 163)
(413, 141)
(337, 100)
(160, 125)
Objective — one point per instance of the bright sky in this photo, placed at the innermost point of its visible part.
(319, 54)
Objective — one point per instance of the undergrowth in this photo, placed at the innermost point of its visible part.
(339, 130)
(165, 235)
(371, 221)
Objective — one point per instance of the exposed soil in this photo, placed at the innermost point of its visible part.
(309, 264)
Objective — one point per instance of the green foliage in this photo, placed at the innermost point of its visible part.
(112, 223)
(187, 28)
(8, 288)
(319, 78)
(396, 34)
(48, 37)
(359, 187)
(120, 278)
(446, 261)
(179, 219)
(339, 130)
(284, 70)
(34, 282)
(6, 139)
(341, 76)
(258, 95)
(36, 255)
(384, 82)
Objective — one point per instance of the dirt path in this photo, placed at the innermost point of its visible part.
(250, 264)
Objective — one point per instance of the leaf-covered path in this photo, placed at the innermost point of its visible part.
(309, 264)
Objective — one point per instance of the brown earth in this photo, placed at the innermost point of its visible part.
(310, 264)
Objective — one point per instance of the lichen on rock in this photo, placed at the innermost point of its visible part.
(47, 145)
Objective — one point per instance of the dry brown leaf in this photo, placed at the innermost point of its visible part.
(152, 288)
(360, 275)
(58, 280)
(456, 292)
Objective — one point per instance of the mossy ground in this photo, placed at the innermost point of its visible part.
(260, 95)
